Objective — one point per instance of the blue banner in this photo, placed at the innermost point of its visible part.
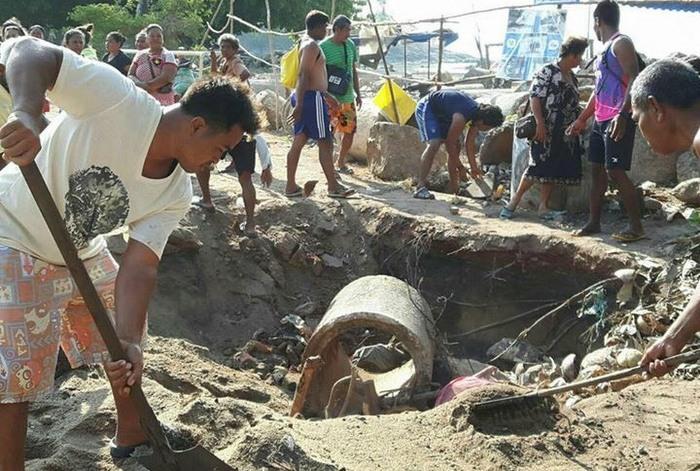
(532, 40)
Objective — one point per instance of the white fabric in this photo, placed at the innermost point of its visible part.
(92, 158)
(263, 151)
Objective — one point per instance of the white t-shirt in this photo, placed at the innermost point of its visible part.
(92, 158)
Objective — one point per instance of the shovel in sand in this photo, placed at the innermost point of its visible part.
(163, 458)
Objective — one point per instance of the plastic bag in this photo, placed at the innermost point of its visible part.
(405, 104)
(290, 67)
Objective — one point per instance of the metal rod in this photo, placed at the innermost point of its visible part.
(386, 66)
(230, 12)
(441, 45)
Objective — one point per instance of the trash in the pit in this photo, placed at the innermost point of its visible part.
(464, 383)
(379, 358)
(298, 323)
(518, 352)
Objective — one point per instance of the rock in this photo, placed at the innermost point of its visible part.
(272, 107)
(367, 116)
(648, 165)
(510, 103)
(243, 361)
(688, 191)
(497, 146)
(285, 245)
(652, 205)
(603, 357)
(278, 374)
(182, 240)
(628, 357)
(572, 401)
(331, 261)
(648, 186)
(569, 370)
(394, 152)
(687, 167)
(454, 210)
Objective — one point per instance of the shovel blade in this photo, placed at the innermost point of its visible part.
(196, 458)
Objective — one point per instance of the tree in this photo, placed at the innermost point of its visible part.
(49, 13)
(288, 15)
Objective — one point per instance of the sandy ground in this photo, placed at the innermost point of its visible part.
(210, 302)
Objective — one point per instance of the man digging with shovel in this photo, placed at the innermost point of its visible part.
(112, 158)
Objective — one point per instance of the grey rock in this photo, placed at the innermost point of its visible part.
(648, 165)
(497, 146)
(687, 167)
(688, 191)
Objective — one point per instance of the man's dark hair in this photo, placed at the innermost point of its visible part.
(671, 81)
(316, 18)
(341, 21)
(117, 37)
(489, 115)
(608, 12)
(573, 45)
(223, 102)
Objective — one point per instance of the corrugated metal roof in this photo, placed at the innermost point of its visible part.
(676, 5)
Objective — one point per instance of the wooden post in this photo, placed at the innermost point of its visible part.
(405, 69)
(441, 46)
(386, 66)
(230, 12)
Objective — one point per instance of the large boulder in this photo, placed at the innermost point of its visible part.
(688, 191)
(687, 167)
(394, 151)
(510, 103)
(367, 116)
(497, 146)
(647, 165)
(272, 107)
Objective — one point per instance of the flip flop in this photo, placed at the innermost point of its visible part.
(342, 193)
(506, 213)
(294, 194)
(122, 452)
(198, 203)
(423, 193)
(309, 187)
(250, 234)
(584, 232)
(552, 215)
(345, 170)
(628, 236)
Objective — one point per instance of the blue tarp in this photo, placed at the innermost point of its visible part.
(448, 37)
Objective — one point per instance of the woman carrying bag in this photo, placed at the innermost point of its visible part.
(555, 158)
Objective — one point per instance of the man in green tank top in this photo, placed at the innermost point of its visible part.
(341, 56)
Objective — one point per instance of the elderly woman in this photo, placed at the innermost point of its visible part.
(154, 68)
(555, 157)
(666, 106)
(115, 56)
(11, 28)
(74, 39)
(37, 31)
(141, 41)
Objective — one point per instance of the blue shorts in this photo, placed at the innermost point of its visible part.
(315, 118)
(429, 128)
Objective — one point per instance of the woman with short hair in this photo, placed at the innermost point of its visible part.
(12, 28)
(115, 56)
(555, 157)
(37, 31)
(74, 39)
(154, 68)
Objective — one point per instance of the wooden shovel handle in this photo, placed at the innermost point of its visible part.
(675, 360)
(58, 230)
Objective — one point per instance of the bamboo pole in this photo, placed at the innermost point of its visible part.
(230, 12)
(386, 67)
(441, 46)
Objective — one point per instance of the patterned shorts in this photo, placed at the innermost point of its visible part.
(344, 119)
(40, 309)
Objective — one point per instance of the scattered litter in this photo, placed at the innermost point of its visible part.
(379, 358)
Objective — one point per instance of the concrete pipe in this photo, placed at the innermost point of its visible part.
(377, 302)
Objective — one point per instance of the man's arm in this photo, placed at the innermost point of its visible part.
(31, 68)
(470, 147)
(627, 56)
(578, 126)
(134, 286)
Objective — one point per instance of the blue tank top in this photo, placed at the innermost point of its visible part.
(446, 102)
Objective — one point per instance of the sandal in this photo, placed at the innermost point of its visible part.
(423, 193)
(552, 215)
(248, 233)
(345, 170)
(628, 236)
(506, 213)
(341, 192)
(294, 194)
(202, 205)
(122, 452)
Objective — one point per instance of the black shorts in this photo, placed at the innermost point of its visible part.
(613, 154)
(243, 156)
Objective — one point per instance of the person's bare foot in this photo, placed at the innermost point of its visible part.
(248, 229)
(201, 203)
(587, 230)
